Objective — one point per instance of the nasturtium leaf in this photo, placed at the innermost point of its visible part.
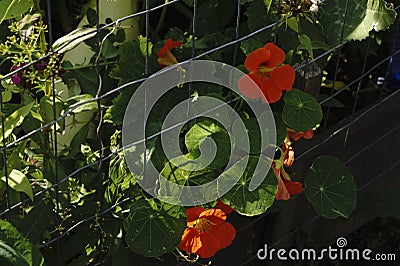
(16, 244)
(12, 8)
(249, 45)
(154, 228)
(250, 203)
(301, 111)
(330, 188)
(362, 16)
(19, 182)
(174, 172)
(196, 136)
(253, 133)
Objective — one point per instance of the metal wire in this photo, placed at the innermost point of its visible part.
(337, 62)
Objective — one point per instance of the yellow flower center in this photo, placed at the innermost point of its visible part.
(203, 225)
(263, 69)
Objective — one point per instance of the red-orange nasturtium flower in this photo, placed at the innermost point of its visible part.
(206, 232)
(165, 57)
(224, 207)
(289, 154)
(267, 71)
(309, 134)
(286, 187)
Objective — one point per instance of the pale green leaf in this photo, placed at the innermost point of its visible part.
(28, 252)
(19, 182)
(15, 119)
(12, 8)
(362, 16)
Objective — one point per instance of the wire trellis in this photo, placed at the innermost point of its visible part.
(100, 95)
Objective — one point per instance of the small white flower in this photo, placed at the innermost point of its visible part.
(316, 2)
(314, 8)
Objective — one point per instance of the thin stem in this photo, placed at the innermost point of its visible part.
(161, 20)
(184, 10)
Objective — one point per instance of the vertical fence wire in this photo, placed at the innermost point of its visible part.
(4, 151)
(337, 63)
(193, 54)
(237, 27)
(358, 87)
(54, 135)
(99, 91)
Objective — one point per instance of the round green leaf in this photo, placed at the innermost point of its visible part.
(186, 173)
(252, 132)
(196, 136)
(250, 203)
(331, 188)
(301, 111)
(154, 228)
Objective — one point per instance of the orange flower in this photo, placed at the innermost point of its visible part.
(289, 154)
(309, 134)
(207, 232)
(267, 72)
(165, 57)
(286, 187)
(224, 207)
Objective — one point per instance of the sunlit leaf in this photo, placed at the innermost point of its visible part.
(13, 8)
(15, 119)
(362, 16)
(21, 247)
(196, 136)
(19, 182)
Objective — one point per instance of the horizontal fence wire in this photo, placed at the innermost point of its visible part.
(102, 95)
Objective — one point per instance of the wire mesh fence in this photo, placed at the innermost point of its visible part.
(357, 114)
